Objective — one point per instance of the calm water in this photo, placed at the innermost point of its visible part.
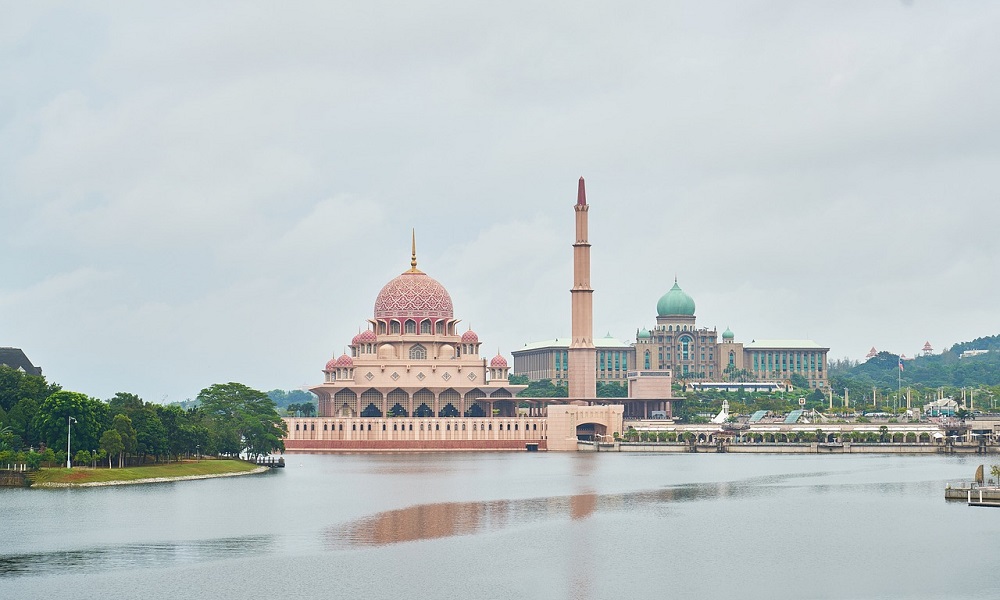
(514, 525)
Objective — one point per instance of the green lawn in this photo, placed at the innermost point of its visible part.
(174, 469)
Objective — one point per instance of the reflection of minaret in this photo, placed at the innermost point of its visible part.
(582, 356)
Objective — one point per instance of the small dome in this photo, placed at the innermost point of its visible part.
(365, 336)
(675, 303)
(343, 361)
(330, 365)
(498, 361)
(644, 334)
(728, 335)
(470, 337)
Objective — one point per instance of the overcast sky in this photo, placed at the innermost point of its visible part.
(217, 191)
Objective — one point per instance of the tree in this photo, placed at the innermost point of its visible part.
(111, 444)
(82, 457)
(51, 418)
(123, 425)
(611, 389)
(242, 419)
(799, 381)
(17, 385)
(544, 388)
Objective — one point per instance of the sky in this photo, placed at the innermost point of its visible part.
(217, 191)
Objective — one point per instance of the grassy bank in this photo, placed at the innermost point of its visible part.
(174, 469)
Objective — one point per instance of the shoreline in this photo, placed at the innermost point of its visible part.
(51, 485)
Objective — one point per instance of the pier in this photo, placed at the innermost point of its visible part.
(270, 461)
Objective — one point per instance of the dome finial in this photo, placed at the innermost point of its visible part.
(581, 193)
(413, 251)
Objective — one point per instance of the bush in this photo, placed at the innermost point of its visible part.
(33, 460)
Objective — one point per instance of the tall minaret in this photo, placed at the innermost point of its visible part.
(582, 356)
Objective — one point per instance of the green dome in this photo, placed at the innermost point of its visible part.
(727, 334)
(675, 302)
(644, 334)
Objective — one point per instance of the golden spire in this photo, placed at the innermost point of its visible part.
(413, 252)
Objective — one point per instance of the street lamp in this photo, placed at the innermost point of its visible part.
(69, 431)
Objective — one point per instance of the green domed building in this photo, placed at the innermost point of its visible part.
(676, 342)
(707, 359)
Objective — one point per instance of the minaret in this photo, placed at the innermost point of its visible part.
(582, 356)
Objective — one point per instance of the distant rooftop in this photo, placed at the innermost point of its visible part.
(604, 342)
(16, 359)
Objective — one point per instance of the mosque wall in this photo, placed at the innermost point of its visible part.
(401, 433)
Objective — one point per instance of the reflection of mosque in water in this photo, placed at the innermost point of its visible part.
(450, 519)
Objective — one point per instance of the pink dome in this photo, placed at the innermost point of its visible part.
(470, 337)
(413, 294)
(364, 337)
(331, 365)
(498, 361)
(344, 361)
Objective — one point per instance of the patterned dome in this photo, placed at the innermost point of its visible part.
(413, 294)
(331, 365)
(675, 302)
(343, 361)
(498, 361)
(364, 337)
(470, 337)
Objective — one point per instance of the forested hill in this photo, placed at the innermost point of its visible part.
(938, 370)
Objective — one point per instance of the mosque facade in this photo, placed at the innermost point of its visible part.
(414, 381)
(413, 361)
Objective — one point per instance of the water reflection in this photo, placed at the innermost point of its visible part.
(130, 556)
(449, 519)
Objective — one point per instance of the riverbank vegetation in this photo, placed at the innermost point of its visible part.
(185, 468)
(123, 431)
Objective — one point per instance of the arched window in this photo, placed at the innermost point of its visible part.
(418, 352)
(411, 326)
(685, 347)
(646, 362)
(425, 326)
(732, 358)
(394, 327)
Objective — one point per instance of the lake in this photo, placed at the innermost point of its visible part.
(528, 525)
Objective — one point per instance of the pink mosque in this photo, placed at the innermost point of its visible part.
(413, 381)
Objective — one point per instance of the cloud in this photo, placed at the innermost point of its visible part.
(219, 194)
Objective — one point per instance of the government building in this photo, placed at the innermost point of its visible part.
(693, 354)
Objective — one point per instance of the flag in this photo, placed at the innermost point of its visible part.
(900, 363)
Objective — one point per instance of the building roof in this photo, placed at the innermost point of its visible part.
(605, 342)
(785, 344)
(675, 302)
(16, 359)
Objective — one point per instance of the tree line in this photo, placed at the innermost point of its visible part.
(229, 419)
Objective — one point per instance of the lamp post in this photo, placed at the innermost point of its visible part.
(69, 431)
